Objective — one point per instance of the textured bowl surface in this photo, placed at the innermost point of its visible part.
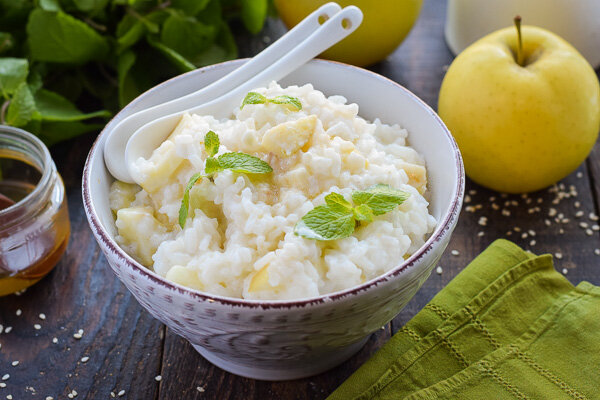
(277, 340)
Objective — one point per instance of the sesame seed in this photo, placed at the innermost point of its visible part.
(577, 204)
(495, 206)
(42, 316)
(112, 394)
(455, 252)
(579, 214)
(54, 340)
(558, 255)
(579, 174)
(505, 212)
(480, 233)
(561, 231)
(532, 243)
(79, 334)
(597, 252)
(18, 312)
(552, 212)
(467, 199)
(5, 377)
(438, 270)
(158, 378)
(121, 393)
(9, 396)
(1, 328)
(70, 395)
(589, 232)
(2, 385)
(15, 363)
(509, 233)
(565, 271)
(583, 225)
(596, 227)
(531, 232)
(524, 235)
(547, 222)
(482, 221)
(593, 217)
(37, 326)
(472, 192)
(200, 389)
(74, 393)
(84, 359)
(517, 229)
(49, 398)
(8, 329)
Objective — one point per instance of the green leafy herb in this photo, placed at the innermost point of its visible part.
(253, 98)
(185, 202)
(211, 143)
(337, 218)
(89, 55)
(244, 163)
(293, 103)
(236, 162)
(380, 198)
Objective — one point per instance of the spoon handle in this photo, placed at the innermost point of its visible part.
(117, 141)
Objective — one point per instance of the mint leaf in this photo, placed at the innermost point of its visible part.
(13, 72)
(254, 13)
(337, 200)
(179, 61)
(49, 5)
(211, 143)
(54, 107)
(253, 98)
(293, 103)
(187, 36)
(60, 38)
(129, 31)
(363, 213)
(22, 107)
(212, 166)
(380, 198)
(326, 223)
(245, 163)
(185, 203)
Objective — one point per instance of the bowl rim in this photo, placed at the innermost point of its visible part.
(441, 230)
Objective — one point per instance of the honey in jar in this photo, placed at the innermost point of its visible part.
(34, 219)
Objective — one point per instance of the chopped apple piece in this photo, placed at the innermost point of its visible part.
(140, 229)
(185, 276)
(260, 280)
(289, 137)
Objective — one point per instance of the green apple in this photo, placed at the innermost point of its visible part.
(525, 113)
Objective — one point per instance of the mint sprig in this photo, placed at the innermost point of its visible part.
(236, 162)
(337, 218)
(292, 103)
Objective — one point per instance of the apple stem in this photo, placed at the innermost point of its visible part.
(520, 60)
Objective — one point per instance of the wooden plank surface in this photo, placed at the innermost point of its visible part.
(127, 348)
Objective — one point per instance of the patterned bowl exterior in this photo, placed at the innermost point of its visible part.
(274, 340)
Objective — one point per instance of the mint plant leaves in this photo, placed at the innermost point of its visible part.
(337, 218)
(101, 54)
(292, 103)
(236, 162)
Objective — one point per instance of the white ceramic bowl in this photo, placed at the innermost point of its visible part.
(277, 340)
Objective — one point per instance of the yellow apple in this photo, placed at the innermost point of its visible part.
(521, 127)
(385, 25)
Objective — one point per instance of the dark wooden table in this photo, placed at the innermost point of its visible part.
(123, 349)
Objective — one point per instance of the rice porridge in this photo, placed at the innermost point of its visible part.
(239, 238)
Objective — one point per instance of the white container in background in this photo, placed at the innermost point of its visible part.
(576, 21)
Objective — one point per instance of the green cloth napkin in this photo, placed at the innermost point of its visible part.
(508, 326)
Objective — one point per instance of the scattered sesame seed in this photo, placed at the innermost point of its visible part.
(480, 233)
(579, 174)
(70, 395)
(565, 271)
(552, 212)
(9, 396)
(505, 212)
(597, 252)
(532, 243)
(524, 235)
(561, 231)
(583, 225)
(482, 221)
(472, 192)
(5, 377)
(438, 270)
(54, 340)
(2, 385)
(495, 206)
(112, 394)
(509, 233)
(558, 255)
(42, 316)
(200, 389)
(85, 359)
(37, 326)
(517, 229)
(8, 329)
(589, 232)
(15, 363)
(577, 204)
(531, 232)
(79, 334)
(1, 328)
(49, 398)
(547, 222)
(455, 252)
(158, 378)
(74, 393)
(593, 217)
(121, 393)
(467, 199)
(596, 227)
(579, 214)
(19, 312)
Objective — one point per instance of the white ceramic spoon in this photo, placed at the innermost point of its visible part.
(116, 141)
(150, 136)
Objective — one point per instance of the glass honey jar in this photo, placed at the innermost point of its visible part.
(34, 219)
